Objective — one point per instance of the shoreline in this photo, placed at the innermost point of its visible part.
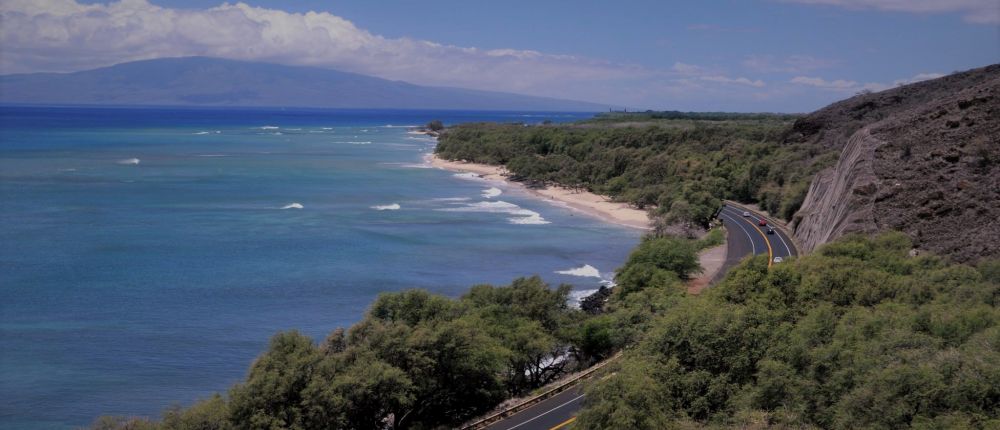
(594, 205)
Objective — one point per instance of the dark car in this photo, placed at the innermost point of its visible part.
(770, 230)
(762, 222)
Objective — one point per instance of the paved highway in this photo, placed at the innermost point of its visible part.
(556, 412)
(744, 236)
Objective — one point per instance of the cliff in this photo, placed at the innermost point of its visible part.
(923, 159)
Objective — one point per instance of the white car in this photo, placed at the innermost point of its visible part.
(746, 214)
(778, 259)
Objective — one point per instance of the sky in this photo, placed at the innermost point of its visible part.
(742, 55)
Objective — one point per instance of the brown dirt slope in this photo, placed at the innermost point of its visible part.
(923, 159)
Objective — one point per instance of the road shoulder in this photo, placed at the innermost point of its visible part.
(711, 260)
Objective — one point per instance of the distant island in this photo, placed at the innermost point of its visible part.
(203, 81)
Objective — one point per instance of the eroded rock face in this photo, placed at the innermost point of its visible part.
(923, 159)
(839, 201)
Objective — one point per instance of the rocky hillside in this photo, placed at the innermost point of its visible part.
(923, 159)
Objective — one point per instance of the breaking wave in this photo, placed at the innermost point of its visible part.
(469, 175)
(293, 206)
(390, 207)
(586, 271)
(492, 192)
(521, 215)
(128, 161)
(576, 296)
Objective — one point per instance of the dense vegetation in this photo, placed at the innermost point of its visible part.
(419, 360)
(678, 164)
(858, 335)
(646, 116)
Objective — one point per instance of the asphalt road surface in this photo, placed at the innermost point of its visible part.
(744, 236)
(556, 412)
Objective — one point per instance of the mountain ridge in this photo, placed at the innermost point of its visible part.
(923, 159)
(208, 81)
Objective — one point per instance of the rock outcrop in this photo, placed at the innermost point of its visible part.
(840, 200)
(923, 159)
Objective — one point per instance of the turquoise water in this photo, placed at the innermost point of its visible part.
(145, 258)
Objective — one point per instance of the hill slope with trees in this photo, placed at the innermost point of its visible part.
(678, 165)
(857, 335)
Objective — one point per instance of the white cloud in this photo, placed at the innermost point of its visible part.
(727, 80)
(63, 35)
(686, 69)
(849, 86)
(789, 64)
(839, 84)
(917, 78)
(975, 11)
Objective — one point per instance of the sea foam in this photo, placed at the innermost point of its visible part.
(586, 271)
(389, 207)
(577, 296)
(409, 165)
(492, 192)
(470, 176)
(521, 215)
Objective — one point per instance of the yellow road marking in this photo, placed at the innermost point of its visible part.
(770, 252)
(563, 424)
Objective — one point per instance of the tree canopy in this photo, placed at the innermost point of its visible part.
(857, 335)
(678, 165)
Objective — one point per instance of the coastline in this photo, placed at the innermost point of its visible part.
(585, 202)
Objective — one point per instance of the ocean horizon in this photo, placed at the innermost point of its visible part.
(148, 254)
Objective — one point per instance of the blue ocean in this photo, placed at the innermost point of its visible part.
(147, 255)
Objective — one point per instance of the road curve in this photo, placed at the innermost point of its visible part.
(553, 413)
(744, 236)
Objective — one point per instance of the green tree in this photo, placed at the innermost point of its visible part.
(435, 125)
(271, 397)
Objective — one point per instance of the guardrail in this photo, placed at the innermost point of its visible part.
(485, 422)
(781, 225)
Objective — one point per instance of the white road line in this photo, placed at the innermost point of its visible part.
(788, 250)
(753, 247)
(546, 412)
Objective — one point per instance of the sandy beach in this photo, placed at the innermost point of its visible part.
(584, 202)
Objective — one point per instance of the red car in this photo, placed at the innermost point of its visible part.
(762, 222)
